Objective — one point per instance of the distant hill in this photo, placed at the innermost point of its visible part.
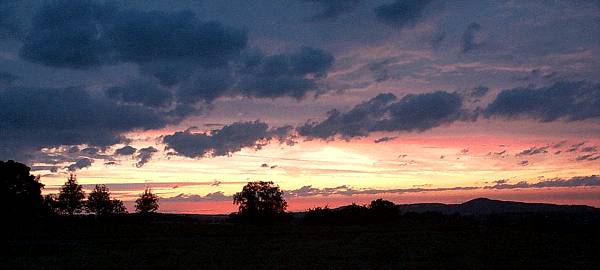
(485, 206)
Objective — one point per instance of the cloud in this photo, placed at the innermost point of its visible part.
(575, 147)
(470, 39)
(290, 74)
(571, 101)
(144, 155)
(294, 74)
(345, 190)
(69, 34)
(577, 181)
(559, 144)
(589, 149)
(76, 34)
(7, 79)
(402, 13)
(533, 151)
(414, 112)
(330, 9)
(10, 25)
(588, 157)
(384, 139)
(225, 141)
(477, 92)
(140, 92)
(80, 164)
(524, 162)
(500, 154)
(125, 151)
(214, 196)
(34, 118)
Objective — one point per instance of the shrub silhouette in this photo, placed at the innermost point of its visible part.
(260, 201)
(379, 211)
(100, 203)
(147, 202)
(71, 196)
(383, 210)
(20, 192)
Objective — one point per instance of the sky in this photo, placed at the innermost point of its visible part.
(335, 101)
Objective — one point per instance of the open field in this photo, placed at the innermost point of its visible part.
(173, 242)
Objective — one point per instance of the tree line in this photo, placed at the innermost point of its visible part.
(21, 196)
(258, 202)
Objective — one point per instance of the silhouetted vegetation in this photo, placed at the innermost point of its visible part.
(147, 202)
(380, 235)
(71, 196)
(379, 211)
(100, 203)
(260, 202)
(20, 192)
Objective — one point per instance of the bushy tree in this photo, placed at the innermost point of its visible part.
(100, 203)
(20, 192)
(260, 199)
(147, 202)
(71, 196)
(383, 205)
(384, 210)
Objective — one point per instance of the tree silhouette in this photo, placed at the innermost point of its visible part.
(260, 199)
(147, 202)
(384, 210)
(20, 192)
(100, 203)
(70, 198)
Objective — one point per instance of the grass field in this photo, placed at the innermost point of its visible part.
(189, 244)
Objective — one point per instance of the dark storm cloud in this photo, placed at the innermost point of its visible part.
(402, 13)
(222, 142)
(68, 34)
(572, 101)
(10, 26)
(533, 151)
(140, 92)
(329, 9)
(144, 155)
(414, 112)
(7, 79)
(357, 122)
(125, 151)
(141, 37)
(469, 38)
(290, 74)
(207, 86)
(79, 34)
(80, 164)
(33, 118)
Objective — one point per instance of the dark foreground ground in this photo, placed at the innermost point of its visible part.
(188, 243)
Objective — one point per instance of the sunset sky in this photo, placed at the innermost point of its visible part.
(334, 101)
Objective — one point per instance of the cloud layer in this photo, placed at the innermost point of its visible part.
(222, 142)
